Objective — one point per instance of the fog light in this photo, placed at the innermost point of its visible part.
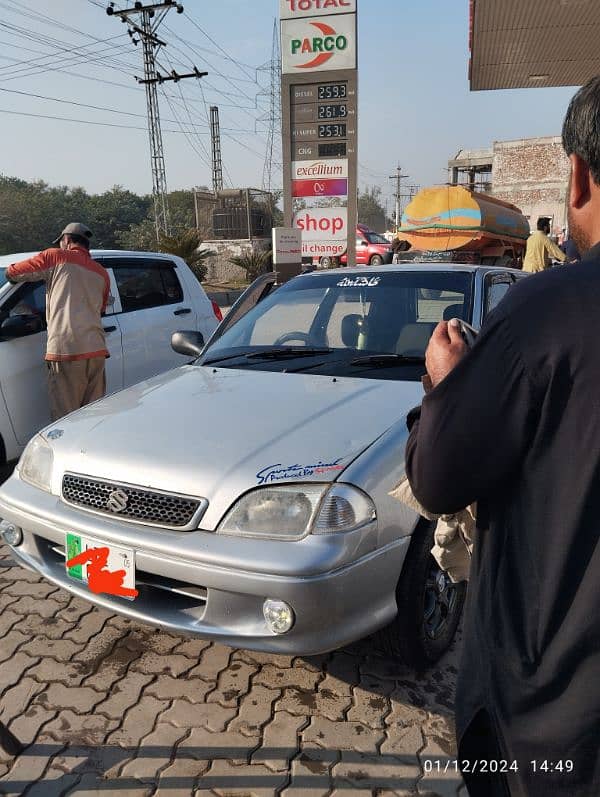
(279, 616)
(12, 534)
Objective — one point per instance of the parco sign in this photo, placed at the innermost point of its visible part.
(318, 45)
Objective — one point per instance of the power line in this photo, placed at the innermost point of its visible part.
(210, 64)
(188, 135)
(79, 121)
(225, 53)
(80, 104)
(59, 44)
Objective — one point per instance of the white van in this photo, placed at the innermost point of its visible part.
(152, 296)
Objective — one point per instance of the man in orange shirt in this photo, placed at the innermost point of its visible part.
(77, 290)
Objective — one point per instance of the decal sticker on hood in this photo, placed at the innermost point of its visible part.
(280, 472)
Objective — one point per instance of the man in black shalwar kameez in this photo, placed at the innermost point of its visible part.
(515, 426)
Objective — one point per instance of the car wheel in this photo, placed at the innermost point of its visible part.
(429, 606)
(325, 262)
(376, 260)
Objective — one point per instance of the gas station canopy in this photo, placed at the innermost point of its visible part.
(533, 43)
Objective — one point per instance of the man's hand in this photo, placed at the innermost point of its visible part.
(446, 349)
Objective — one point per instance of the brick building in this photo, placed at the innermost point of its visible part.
(532, 173)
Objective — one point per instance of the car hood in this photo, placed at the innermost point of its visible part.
(216, 433)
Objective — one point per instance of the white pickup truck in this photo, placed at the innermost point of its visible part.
(152, 296)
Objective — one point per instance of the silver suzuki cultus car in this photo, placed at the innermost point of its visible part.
(245, 497)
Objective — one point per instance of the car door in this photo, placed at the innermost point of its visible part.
(112, 330)
(22, 366)
(362, 251)
(153, 307)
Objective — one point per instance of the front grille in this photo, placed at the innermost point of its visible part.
(141, 506)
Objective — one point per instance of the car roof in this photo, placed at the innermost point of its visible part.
(6, 260)
(411, 266)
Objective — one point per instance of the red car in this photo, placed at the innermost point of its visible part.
(372, 248)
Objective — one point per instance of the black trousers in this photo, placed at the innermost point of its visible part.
(479, 743)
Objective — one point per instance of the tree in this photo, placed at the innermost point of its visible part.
(187, 245)
(370, 210)
(115, 212)
(141, 235)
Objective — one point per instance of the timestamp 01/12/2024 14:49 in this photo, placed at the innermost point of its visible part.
(493, 766)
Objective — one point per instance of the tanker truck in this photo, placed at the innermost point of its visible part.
(452, 224)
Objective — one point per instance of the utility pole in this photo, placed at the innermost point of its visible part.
(409, 192)
(273, 115)
(398, 177)
(217, 162)
(150, 18)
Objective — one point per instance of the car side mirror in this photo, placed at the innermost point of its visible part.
(189, 343)
(20, 326)
(364, 243)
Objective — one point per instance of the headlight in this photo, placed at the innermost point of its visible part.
(290, 512)
(35, 465)
(283, 513)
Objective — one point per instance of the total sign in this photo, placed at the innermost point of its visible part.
(293, 9)
(324, 231)
(318, 45)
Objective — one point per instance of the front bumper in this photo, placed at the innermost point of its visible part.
(341, 587)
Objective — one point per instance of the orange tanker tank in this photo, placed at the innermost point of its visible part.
(452, 218)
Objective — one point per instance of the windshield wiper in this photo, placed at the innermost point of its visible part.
(289, 352)
(388, 360)
(223, 359)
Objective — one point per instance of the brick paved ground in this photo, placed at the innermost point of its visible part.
(106, 707)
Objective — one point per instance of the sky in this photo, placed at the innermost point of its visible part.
(415, 107)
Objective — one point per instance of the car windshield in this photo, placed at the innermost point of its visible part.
(2, 277)
(375, 238)
(377, 325)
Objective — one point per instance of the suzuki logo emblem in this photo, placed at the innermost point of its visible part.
(117, 501)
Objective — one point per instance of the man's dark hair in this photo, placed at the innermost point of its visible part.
(581, 128)
(543, 224)
(80, 240)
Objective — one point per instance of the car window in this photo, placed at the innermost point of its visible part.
(29, 299)
(376, 312)
(435, 305)
(295, 313)
(147, 285)
(495, 292)
(375, 238)
(337, 335)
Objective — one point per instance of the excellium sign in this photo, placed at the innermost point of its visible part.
(318, 45)
(294, 9)
(308, 170)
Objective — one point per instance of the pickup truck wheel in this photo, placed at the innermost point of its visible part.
(429, 606)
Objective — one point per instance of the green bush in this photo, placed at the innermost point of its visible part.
(254, 262)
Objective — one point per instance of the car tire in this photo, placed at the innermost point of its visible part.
(428, 615)
(376, 260)
(325, 262)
